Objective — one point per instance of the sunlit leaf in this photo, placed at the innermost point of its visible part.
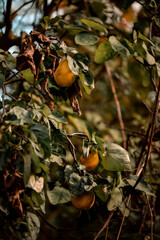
(104, 52)
(116, 158)
(86, 38)
(94, 23)
(76, 27)
(36, 183)
(20, 115)
(141, 36)
(28, 75)
(119, 47)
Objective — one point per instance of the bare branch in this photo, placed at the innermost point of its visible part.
(8, 18)
(117, 105)
(26, 3)
(106, 224)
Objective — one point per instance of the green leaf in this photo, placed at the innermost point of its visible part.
(23, 116)
(124, 210)
(128, 45)
(79, 57)
(148, 57)
(2, 79)
(102, 192)
(119, 47)
(94, 23)
(58, 195)
(86, 38)
(55, 20)
(33, 225)
(76, 27)
(58, 136)
(39, 130)
(28, 75)
(104, 52)
(47, 20)
(46, 111)
(35, 154)
(58, 117)
(141, 36)
(116, 158)
(74, 67)
(115, 200)
(87, 81)
(27, 168)
(142, 185)
(42, 134)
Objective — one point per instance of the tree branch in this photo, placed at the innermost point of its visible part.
(149, 135)
(106, 224)
(26, 3)
(8, 18)
(117, 105)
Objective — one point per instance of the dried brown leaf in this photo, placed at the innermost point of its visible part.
(44, 86)
(40, 38)
(72, 93)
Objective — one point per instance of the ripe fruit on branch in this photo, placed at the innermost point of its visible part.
(84, 201)
(64, 77)
(91, 162)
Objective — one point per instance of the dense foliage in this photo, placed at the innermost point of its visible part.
(79, 130)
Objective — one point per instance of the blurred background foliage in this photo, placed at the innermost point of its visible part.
(134, 87)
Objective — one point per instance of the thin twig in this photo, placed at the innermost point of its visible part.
(143, 219)
(152, 224)
(120, 229)
(13, 81)
(106, 224)
(117, 105)
(107, 228)
(72, 150)
(80, 135)
(22, 7)
(150, 133)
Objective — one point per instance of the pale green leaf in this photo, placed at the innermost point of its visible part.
(86, 38)
(27, 168)
(115, 200)
(74, 67)
(116, 158)
(58, 195)
(141, 36)
(93, 23)
(104, 52)
(119, 47)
